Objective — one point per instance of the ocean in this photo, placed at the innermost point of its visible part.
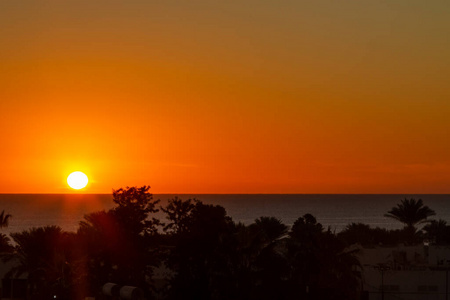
(333, 211)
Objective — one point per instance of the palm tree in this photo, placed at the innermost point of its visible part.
(43, 254)
(270, 228)
(320, 263)
(4, 219)
(410, 212)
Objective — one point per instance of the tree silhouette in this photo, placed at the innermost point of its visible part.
(359, 233)
(438, 232)
(119, 242)
(321, 267)
(410, 212)
(43, 254)
(178, 212)
(133, 210)
(271, 228)
(200, 252)
(4, 219)
(268, 266)
(100, 240)
(207, 254)
(5, 246)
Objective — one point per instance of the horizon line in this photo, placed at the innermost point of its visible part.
(18, 193)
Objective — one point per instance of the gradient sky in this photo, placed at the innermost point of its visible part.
(226, 97)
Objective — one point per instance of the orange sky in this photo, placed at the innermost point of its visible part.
(233, 97)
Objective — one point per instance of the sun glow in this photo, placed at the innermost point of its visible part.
(77, 180)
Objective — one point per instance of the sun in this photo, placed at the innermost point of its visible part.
(77, 180)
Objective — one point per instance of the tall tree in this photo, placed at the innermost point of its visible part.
(410, 212)
(321, 266)
(202, 235)
(267, 265)
(119, 242)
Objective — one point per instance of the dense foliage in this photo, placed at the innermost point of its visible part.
(202, 253)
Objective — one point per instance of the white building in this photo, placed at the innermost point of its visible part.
(406, 272)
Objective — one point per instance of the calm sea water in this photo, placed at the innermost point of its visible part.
(335, 211)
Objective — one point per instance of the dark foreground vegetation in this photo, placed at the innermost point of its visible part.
(198, 252)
